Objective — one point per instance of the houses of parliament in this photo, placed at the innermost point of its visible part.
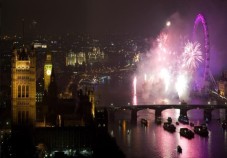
(53, 125)
(23, 92)
(23, 85)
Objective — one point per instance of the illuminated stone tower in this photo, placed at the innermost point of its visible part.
(47, 71)
(23, 87)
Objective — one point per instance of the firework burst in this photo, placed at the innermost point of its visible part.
(192, 55)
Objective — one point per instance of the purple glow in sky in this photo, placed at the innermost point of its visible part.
(170, 67)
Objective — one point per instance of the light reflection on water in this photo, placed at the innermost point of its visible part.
(153, 141)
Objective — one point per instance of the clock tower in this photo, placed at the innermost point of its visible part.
(47, 71)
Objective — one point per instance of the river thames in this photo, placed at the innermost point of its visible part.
(137, 141)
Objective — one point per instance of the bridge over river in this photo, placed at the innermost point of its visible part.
(159, 108)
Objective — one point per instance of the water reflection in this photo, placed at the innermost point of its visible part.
(154, 141)
(138, 141)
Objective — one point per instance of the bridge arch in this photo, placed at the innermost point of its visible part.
(182, 109)
(191, 113)
(173, 113)
(147, 112)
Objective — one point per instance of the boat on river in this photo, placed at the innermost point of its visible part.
(179, 149)
(224, 124)
(183, 119)
(185, 132)
(201, 130)
(169, 127)
(144, 122)
(169, 119)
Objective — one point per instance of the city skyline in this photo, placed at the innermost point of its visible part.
(117, 78)
(143, 18)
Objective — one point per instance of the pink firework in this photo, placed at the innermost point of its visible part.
(192, 55)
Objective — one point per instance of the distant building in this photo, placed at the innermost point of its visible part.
(71, 59)
(222, 84)
(39, 97)
(75, 58)
(222, 88)
(23, 87)
(81, 58)
(96, 55)
(39, 45)
(91, 55)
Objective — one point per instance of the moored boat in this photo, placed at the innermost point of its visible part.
(179, 149)
(224, 124)
(169, 127)
(169, 119)
(144, 122)
(185, 132)
(183, 119)
(201, 130)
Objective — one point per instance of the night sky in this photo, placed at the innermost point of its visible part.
(140, 17)
(99, 16)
